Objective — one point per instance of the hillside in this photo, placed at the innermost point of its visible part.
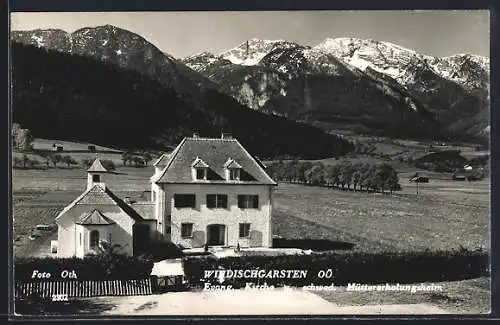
(73, 97)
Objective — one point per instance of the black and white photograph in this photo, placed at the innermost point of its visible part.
(250, 163)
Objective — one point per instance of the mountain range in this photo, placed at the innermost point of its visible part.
(365, 86)
(70, 88)
(359, 84)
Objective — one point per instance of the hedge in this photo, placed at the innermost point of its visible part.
(348, 267)
(88, 268)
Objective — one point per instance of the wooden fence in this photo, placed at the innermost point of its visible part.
(79, 289)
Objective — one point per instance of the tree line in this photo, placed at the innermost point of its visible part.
(50, 160)
(345, 175)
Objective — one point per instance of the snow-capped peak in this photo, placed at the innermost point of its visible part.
(253, 50)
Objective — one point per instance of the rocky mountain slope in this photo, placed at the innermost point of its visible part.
(362, 85)
(121, 48)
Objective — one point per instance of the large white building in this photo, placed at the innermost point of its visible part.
(207, 191)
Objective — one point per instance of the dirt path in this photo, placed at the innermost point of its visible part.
(249, 302)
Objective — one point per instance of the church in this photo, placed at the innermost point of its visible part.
(207, 191)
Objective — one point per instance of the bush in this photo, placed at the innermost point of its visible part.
(388, 267)
(163, 250)
(97, 267)
(108, 164)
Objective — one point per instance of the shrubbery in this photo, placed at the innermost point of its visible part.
(389, 267)
(108, 164)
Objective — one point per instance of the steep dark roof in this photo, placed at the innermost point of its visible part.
(162, 161)
(100, 195)
(215, 152)
(97, 167)
(95, 217)
(145, 209)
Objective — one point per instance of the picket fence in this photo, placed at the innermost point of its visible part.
(83, 288)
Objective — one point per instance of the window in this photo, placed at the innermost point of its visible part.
(80, 239)
(234, 174)
(244, 230)
(201, 173)
(96, 178)
(217, 201)
(94, 238)
(184, 200)
(248, 201)
(186, 230)
(109, 238)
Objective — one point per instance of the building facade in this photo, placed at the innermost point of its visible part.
(212, 191)
(207, 191)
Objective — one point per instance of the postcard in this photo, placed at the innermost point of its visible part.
(250, 163)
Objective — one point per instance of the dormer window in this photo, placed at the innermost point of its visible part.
(201, 173)
(234, 174)
(233, 170)
(199, 169)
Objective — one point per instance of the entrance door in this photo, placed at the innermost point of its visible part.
(216, 235)
(141, 238)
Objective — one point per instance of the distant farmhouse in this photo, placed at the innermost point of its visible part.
(208, 191)
(57, 147)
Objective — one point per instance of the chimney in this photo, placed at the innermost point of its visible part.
(226, 136)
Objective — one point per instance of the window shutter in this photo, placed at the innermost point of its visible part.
(240, 201)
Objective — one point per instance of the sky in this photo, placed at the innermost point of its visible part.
(437, 33)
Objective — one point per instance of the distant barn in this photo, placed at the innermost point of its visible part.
(419, 179)
(57, 147)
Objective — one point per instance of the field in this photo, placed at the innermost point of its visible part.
(444, 215)
(374, 222)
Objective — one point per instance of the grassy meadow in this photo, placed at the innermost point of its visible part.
(445, 214)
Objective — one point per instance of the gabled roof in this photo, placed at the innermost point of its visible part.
(145, 209)
(199, 163)
(161, 161)
(215, 152)
(99, 195)
(231, 163)
(95, 217)
(97, 167)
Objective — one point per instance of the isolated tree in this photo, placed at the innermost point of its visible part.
(68, 160)
(108, 164)
(126, 157)
(147, 157)
(26, 160)
(314, 175)
(22, 139)
(55, 159)
(17, 162)
(33, 163)
(393, 181)
(138, 161)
